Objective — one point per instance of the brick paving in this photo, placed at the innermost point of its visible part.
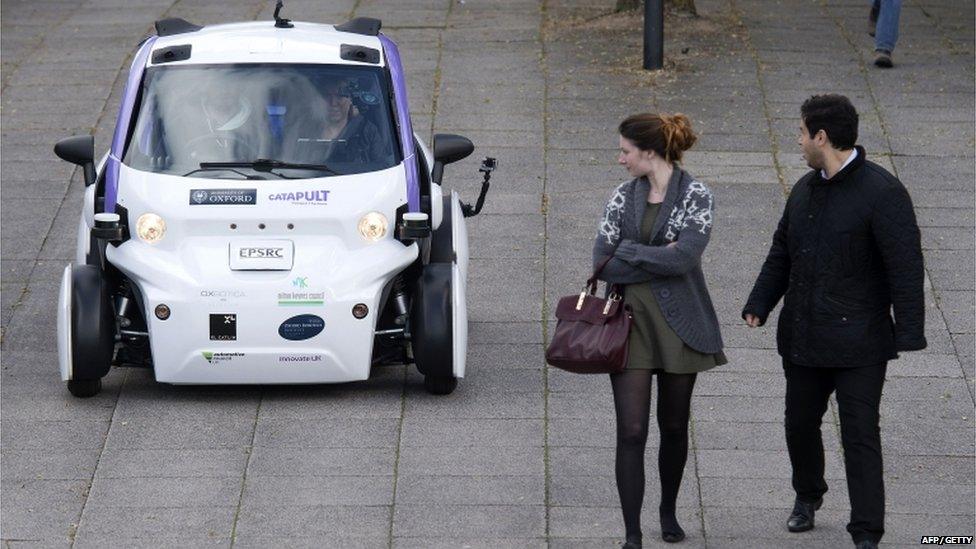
(518, 456)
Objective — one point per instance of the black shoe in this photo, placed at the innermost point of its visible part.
(633, 542)
(882, 58)
(801, 519)
(866, 544)
(671, 531)
(873, 18)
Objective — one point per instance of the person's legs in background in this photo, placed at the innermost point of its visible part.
(886, 35)
(873, 16)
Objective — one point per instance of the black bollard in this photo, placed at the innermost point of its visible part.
(653, 34)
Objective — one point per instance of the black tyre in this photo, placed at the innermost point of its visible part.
(84, 388)
(441, 243)
(92, 331)
(431, 329)
(440, 385)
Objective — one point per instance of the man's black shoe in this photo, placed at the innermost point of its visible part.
(801, 519)
(873, 18)
(866, 544)
(882, 58)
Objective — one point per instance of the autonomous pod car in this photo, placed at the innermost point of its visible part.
(266, 215)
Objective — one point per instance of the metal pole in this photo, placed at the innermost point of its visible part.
(653, 34)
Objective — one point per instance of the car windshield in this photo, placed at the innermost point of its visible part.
(266, 120)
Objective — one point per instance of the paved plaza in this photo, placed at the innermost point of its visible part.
(520, 455)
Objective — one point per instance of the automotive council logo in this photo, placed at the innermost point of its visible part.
(319, 198)
(223, 197)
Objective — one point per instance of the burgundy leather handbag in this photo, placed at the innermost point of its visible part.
(591, 333)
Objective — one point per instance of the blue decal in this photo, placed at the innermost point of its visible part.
(301, 327)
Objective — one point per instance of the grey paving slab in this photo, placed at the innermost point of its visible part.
(202, 540)
(320, 522)
(308, 462)
(519, 332)
(47, 464)
(42, 509)
(147, 523)
(162, 492)
(175, 463)
(147, 434)
(372, 542)
(473, 543)
(21, 434)
(484, 461)
(471, 432)
(471, 490)
(319, 490)
(326, 433)
(469, 521)
(382, 400)
(488, 375)
(466, 403)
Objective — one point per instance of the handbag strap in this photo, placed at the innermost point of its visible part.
(592, 281)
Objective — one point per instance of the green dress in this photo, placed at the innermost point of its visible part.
(653, 345)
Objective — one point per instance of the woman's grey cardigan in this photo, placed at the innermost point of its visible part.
(672, 263)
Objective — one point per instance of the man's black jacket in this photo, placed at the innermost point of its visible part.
(846, 252)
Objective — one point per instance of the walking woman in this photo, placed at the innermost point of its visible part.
(656, 227)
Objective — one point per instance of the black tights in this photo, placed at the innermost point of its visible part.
(632, 400)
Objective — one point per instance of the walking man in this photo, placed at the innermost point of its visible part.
(845, 254)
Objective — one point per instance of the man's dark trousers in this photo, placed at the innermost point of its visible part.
(858, 398)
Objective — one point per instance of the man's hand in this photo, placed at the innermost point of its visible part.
(752, 320)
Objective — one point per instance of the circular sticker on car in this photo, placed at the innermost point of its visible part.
(301, 327)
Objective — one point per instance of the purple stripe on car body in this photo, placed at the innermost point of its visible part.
(123, 122)
(392, 55)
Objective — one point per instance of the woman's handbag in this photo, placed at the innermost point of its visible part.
(591, 333)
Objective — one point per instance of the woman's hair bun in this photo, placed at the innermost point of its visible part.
(678, 135)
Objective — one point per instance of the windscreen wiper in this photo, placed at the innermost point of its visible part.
(267, 165)
(203, 168)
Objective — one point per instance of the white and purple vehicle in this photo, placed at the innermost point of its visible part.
(266, 215)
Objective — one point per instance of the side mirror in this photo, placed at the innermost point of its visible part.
(79, 150)
(448, 148)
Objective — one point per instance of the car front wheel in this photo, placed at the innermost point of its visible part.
(440, 385)
(84, 388)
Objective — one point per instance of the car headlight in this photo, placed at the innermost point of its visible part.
(373, 226)
(150, 228)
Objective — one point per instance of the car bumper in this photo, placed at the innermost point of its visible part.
(325, 283)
